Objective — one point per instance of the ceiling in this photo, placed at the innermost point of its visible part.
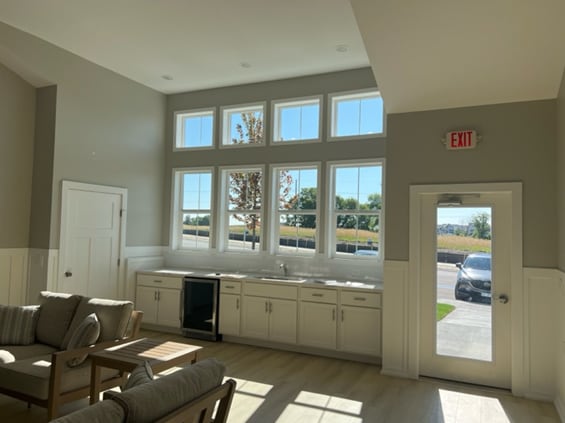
(425, 55)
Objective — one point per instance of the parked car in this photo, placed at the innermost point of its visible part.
(474, 278)
(365, 253)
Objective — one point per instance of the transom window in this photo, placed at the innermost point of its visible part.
(243, 125)
(296, 120)
(358, 114)
(242, 209)
(355, 210)
(194, 209)
(194, 129)
(295, 221)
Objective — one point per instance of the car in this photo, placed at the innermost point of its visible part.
(474, 278)
(365, 253)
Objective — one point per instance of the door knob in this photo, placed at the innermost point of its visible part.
(502, 298)
(68, 274)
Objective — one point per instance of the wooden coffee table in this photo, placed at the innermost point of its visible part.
(160, 354)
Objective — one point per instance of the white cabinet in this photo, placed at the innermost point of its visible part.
(360, 323)
(159, 299)
(318, 318)
(230, 307)
(269, 312)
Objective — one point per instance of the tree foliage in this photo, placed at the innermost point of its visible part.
(481, 227)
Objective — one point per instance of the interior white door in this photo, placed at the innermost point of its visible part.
(91, 228)
(472, 343)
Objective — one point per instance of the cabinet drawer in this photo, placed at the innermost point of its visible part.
(159, 281)
(361, 299)
(318, 295)
(270, 290)
(230, 287)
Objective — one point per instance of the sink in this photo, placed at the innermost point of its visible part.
(282, 278)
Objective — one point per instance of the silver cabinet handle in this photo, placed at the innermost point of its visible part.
(229, 286)
(333, 314)
(157, 281)
(342, 315)
(181, 305)
(266, 306)
(359, 298)
(270, 307)
(237, 303)
(155, 295)
(317, 295)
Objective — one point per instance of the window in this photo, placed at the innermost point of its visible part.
(295, 204)
(242, 208)
(243, 125)
(193, 223)
(355, 210)
(194, 129)
(296, 120)
(356, 115)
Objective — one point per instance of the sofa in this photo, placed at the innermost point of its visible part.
(44, 348)
(195, 390)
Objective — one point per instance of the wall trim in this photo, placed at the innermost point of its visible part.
(13, 275)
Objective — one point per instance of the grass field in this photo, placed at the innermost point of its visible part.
(443, 310)
(463, 244)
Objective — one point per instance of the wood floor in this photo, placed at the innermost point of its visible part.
(284, 387)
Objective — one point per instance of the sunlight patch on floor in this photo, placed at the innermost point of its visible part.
(461, 408)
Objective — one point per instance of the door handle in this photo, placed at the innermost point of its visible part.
(503, 298)
(68, 274)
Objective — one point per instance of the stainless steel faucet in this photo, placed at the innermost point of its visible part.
(284, 269)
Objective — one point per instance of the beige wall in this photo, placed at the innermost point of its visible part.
(518, 144)
(17, 115)
(561, 174)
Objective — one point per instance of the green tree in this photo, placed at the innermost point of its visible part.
(305, 200)
(481, 227)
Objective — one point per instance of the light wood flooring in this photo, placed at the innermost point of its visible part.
(285, 387)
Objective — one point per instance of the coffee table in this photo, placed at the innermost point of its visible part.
(160, 354)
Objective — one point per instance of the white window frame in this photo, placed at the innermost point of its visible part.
(226, 113)
(274, 248)
(178, 128)
(224, 214)
(177, 211)
(277, 105)
(334, 98)
(332, 212)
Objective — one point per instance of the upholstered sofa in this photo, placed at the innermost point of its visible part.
(192, 391)
(44, 348)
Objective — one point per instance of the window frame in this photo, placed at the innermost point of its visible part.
(225, 126)
(224, 213)
(275, 117)
(332, 213)
(179, 135)
(274, 247)
(333, 98)
(177, 212)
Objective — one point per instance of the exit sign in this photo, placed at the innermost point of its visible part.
(461, 140)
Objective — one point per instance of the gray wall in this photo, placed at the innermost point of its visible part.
(518, 144)
(560, 195)
(267, 91)
(17, 115)
(109, 130)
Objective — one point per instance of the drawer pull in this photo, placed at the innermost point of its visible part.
(359, 298)
(157, 281)
(229, 286)
(317, 295)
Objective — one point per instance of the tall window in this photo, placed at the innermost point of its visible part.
(243, 125)
(243, 209)
(296, 120)
(355, 210)
(356, 115)
(295, 221)
(194, 129)
(194, 210)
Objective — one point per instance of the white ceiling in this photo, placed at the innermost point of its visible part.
(425, 54)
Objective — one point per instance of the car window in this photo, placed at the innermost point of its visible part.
(479, 263)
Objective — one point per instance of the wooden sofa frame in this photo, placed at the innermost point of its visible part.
(59, 360)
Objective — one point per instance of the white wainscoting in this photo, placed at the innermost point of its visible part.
(133, 264)
(559, 399)
(42, 272)
(13, 276)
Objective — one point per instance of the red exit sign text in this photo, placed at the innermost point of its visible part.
(461, 140)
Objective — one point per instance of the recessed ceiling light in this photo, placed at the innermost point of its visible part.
(341, 48)
(245, 65)
(167, 77)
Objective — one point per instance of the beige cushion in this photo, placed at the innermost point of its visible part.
(113, 317)
(148, 402)
(140, 375)
(55, 315)
(20, 352)
(84, 335)
(18, 324)
(101, 412)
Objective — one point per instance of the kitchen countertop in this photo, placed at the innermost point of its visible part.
(270, 278)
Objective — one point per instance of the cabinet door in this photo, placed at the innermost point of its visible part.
(255, 317)
(169, 308)
(146, 301)
(360, 330)
(318, 326)
(282, 321)
(229, 314)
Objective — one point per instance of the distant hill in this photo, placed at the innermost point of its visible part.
(452, 229)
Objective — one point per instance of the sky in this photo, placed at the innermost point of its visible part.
(459, 215)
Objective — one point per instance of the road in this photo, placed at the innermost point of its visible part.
(446, 278)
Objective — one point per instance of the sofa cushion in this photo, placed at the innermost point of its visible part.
(55, 315)
(148, 402)
(18, 324)
(113, 316)
(84, 335)
(31, 376)
(140, 375)
(101, 412)
(20, 352)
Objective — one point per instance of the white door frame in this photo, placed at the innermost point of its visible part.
(103, 189)
(516, 278)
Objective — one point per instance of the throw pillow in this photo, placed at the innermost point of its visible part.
(84, 335)
(140, 375)
(18, 324)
